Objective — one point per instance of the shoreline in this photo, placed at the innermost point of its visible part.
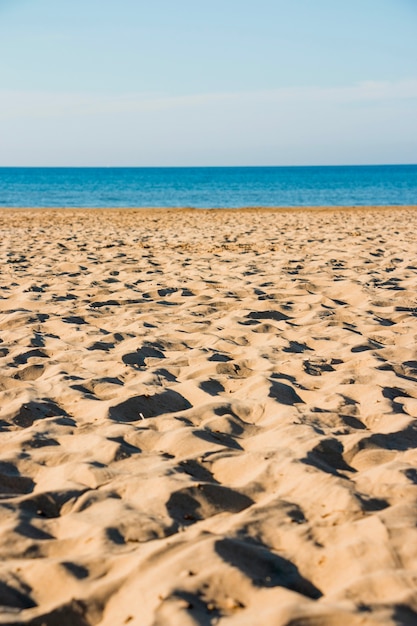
(242, 208)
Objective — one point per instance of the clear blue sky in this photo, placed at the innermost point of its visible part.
(219, 82)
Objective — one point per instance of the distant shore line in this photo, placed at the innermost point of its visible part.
(278, 209)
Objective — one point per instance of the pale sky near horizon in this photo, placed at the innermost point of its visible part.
(185, 82)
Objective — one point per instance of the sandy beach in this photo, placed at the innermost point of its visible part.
(208, 417)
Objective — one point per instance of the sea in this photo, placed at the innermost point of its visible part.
(208, 187)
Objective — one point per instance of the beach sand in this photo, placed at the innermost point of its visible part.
(208, 417)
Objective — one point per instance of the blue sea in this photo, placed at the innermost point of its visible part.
(209, 187)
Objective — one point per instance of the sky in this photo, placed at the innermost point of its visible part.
(194, 83)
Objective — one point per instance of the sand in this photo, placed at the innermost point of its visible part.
(208, 417)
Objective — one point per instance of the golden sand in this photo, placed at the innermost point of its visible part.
(208, 417)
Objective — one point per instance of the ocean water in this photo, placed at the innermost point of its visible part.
(209, 187)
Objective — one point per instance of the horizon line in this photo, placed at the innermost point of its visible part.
(3, 167)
